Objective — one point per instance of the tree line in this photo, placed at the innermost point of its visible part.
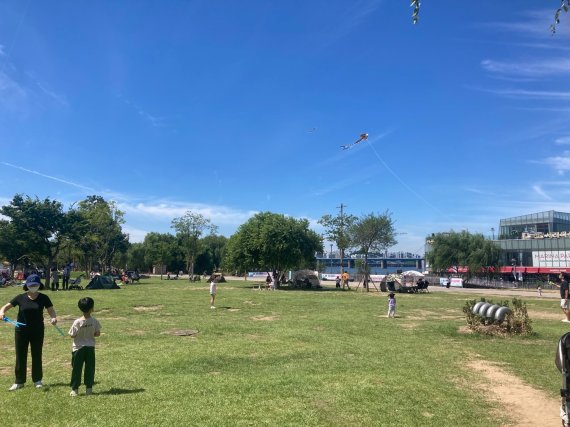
(42, 234)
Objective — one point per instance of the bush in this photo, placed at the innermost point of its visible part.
(516, 323)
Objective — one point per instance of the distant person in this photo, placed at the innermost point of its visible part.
(66, 275)
(345, 278)
(83, 331)
(564, 291)
(54, 279)
(539, 290)
(337, 283)
(391, 304)
(31, 313)
(448, 284)
(268, 281)
(213, 290)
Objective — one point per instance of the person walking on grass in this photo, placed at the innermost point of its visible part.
(564, 294)
(391, 305)
(213, 290)
(31, 314)
(345, 278)
(83, 331)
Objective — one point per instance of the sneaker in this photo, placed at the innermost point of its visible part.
(89, 392)
(565, 320)
(15, 387)
(74, 393)
(212, 306)
(38, 384)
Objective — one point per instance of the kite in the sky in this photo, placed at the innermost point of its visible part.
(363, 137)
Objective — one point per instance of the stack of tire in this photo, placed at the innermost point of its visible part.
(491, 311)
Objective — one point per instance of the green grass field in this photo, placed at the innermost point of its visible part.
(273, 358)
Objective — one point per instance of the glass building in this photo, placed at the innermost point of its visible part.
(539, 242)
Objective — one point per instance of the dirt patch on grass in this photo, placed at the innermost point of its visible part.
(148, 307)
(183, 332)
(266, 318)
(234, 309)
(251, 303)
(465, 329)
(136, 332)
(523, 404)
(6, 371)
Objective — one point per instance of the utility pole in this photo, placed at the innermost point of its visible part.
(341, 207)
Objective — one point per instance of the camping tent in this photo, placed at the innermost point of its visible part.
(391, 282)
(412, 273)
(306, 279)
(102, 282)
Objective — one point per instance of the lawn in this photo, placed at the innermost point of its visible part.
(273, 358)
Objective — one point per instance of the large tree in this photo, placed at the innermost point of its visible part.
(41, 226)
(272, 242)
(103, 237)
(12, 244)
(336, 230)
(189, 228)
(160, 249)
(461, 249)
(372, 232)
(211, 257)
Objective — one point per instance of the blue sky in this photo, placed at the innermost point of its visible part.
(230, 108)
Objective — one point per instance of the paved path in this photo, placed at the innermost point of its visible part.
(527, 293)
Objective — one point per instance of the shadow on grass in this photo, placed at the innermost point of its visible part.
(111, 391)
(312, 288)
(115, 391)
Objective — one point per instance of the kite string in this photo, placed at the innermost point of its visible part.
(395, 175)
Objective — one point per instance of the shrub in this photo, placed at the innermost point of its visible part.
(516, 323)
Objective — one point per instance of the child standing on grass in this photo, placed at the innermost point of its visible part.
(83, 331)
(213, 288)
(391, 305)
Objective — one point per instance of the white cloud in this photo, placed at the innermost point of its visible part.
(154, 121)
(528, 94)
(136, 235)
(565, 140)
(530, 69)
(559, 163)
(538, 190)
(219, 215)
(534, 24)
(48, 177)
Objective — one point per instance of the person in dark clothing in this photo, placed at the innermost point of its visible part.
(30, 312)
(65, 276)
(564, 293)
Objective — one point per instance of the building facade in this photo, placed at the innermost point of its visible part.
(536, 243)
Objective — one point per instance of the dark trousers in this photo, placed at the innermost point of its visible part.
(83, 356)
(65, 283)
(35, 340)
(55, 285)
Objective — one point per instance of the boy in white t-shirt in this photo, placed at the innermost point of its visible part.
(83, 331)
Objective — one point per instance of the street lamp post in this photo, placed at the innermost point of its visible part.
(493, 231)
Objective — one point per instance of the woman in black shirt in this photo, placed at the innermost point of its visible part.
(30, 312)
